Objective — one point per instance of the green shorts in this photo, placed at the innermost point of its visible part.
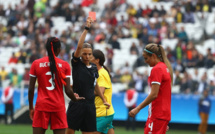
(104, 123)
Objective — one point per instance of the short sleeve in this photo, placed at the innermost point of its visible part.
(33, 70)
(77, 60)
(68, 70)
(156, 76)
(101, 81)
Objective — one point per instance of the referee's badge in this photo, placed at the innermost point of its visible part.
(95, 81)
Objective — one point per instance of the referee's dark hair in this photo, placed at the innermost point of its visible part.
(98, 54)
(87, 45)
(52, 45)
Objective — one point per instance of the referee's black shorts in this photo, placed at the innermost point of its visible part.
(81, 115)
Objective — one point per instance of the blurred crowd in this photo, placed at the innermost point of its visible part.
(25, 30)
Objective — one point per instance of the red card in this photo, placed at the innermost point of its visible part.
(92, 15)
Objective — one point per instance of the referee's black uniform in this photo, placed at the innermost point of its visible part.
(81, 115)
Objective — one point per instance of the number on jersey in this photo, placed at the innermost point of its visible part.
(50, 81)
(150, 126)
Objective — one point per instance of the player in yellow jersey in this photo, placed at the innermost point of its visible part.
(104, 116)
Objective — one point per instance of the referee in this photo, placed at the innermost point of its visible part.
(81, 115)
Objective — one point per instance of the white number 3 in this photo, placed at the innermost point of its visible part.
(50, 81)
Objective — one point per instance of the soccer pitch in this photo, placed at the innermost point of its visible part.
(27, 129)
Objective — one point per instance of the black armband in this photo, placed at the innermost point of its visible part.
(87, 28)
(75, 58)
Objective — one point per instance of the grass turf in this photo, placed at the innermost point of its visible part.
(27, 129)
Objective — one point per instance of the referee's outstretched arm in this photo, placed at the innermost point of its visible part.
(82, 38)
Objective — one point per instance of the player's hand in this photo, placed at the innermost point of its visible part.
(89, 22)
(167, 128)
(107, 104)
(133, 112)
(31, 114)
(77, 97)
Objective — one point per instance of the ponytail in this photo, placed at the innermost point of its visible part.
(52, 45)
(98, 54)
(107, 70)
(159, 51)
(166, 61)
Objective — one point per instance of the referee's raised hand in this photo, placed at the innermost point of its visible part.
(89, 22)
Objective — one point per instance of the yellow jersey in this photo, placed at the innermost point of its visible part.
(104, 81)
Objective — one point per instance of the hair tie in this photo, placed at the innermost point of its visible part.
(148, 51)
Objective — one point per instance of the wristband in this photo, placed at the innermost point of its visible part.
(87, 28)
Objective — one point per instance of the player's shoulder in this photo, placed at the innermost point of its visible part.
(39, 60)
(103, 71)
(62, 61)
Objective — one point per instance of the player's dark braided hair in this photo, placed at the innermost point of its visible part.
(98, 54)
(52, 45)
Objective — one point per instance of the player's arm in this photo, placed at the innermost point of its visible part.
(82, 38)
(31, 95)
(153, 95)
(69, 91)
(102, 89)
(98, 91)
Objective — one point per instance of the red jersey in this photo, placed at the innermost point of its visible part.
(8, 93)
(160, 108)
(130, 95)
(50, 98)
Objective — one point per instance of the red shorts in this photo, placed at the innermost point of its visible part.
(155, 126)
(58, 119)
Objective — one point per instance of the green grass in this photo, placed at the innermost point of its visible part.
(27, 129)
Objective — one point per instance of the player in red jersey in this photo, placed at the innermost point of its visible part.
(51, 73)
(159, 98)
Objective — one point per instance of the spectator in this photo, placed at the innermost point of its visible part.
(211, 87)
(209, 62)
(200, 61)
(26, 78)
(23, 57)
(189, 17)
(131, 10)
(144, 36)
(13, 59)
(33, 56)
(130, 100)
(39, 8)
(177, 79)
(162, 12)
(126, 78)
(115, 44)
(139, 11)
(3, 74)
(11, 15)
(182, 35)
(179, 18)
(147, 11)
(133, 49)
(204, 110)
(206, 7)
(15, 78)
(2, 11)
(7, 99)
(202, 84)
(116, 77)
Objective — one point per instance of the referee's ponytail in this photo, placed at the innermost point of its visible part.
(52, 45)
(98, 54)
